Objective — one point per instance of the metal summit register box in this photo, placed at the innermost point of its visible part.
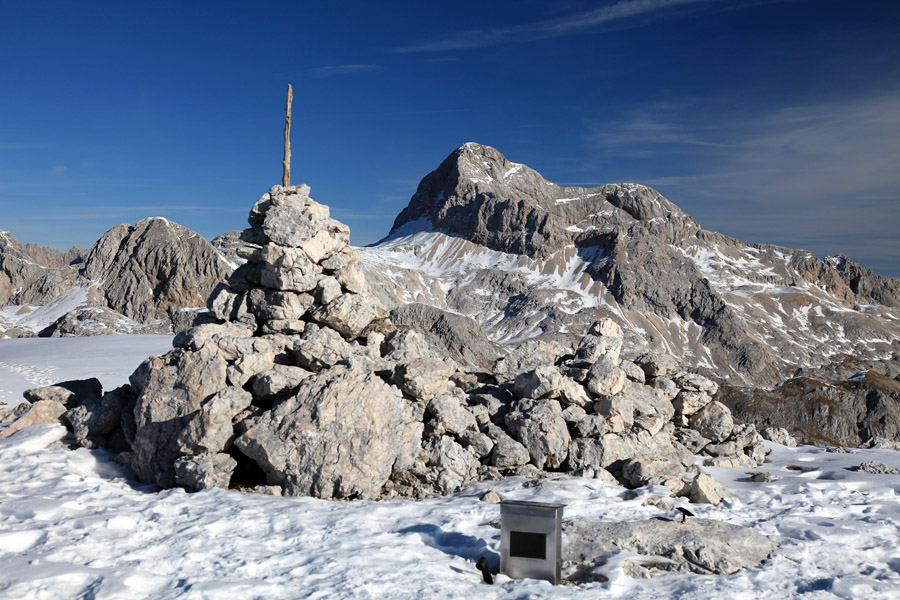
(531, 540)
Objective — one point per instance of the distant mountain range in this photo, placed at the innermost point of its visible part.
(491, 240)
(488, 254)
(143, 278)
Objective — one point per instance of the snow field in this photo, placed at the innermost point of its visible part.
(74, 524)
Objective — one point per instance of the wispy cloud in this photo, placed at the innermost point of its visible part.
(821, 175)
(337, 70)
(551, 28)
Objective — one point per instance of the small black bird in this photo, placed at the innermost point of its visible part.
(685, 513)
(485, 569)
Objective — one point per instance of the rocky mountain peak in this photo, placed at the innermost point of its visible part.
(151, 269)
(478, 194)
(526, 258)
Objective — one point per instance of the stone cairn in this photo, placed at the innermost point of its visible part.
(302, 387)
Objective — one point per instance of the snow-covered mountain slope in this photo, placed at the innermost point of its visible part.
(492, 240)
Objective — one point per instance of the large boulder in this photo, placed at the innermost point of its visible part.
(171, 388)
(702, 546)
(42, 411)
(541, 428)
(340, 436)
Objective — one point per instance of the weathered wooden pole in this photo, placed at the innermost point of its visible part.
(286, 163)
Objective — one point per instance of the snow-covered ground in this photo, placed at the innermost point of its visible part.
(73, 525)
(32, 362)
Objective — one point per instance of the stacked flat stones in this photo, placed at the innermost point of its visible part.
(303, 388)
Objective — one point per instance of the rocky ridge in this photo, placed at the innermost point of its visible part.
(135, 279)
(303, 387)
(492, 240)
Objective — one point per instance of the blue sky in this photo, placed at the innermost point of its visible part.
(771, 121)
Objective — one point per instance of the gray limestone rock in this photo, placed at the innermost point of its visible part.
(691, 439)
(632, 371)
(340, 436)
(349, 314)
(876, 468)
(850, 412)
(69, 393)
(448, 416)
(322, 347)
(666, 387)
(714, 422)
(271, 305)
(694, 382)
(170, 389)
(150, 270)
(591, 454)
(540, 427)
(605, 378)
(543, 382)
(655, 364)
(779, 435)
(248, 366)
(204, 471)
(507, 453)
(479, 443)
(706, 490)
(279, 380)
(688, 403)
(406, 344)
(461, 338)
(525, 357)
(42, 411)
(654, 470)
(286, 269)
(289, 220)
(98, 416)
(327, 290)
(96, 320)
(618, 411)
(702, 546)
(593, 347)
(573, 414)
(453, 466)
(209, 429)
(423, 378)
(591, 426)
(650, 409)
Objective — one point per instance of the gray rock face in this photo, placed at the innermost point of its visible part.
(150, 270)
(540, 427)
(204, 471)
(654, 470)
(423, 378)
(42, 411)
(340, 436)
(675, 288)
(171, 388)
(841, 413)
(699, 545)
(30, 274)
(706, 490)
(461, 337)
(713, 422)
(95, 320)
